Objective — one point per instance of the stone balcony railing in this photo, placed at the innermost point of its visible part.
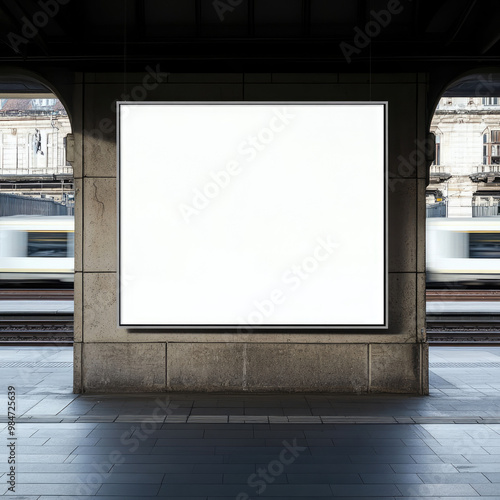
(439, 169)
(486, 173)
(475, 169)
(439, 173)
(479, 169)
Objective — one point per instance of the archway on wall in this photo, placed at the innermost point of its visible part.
(36, 239)
(463, 230)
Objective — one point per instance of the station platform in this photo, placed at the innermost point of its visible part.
(67, 307)
(36, 306)
(241, 446)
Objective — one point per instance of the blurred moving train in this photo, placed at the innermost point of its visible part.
(460, 252)
(463, 252)
(37, 249)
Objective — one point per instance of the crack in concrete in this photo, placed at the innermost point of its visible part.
(97, 199)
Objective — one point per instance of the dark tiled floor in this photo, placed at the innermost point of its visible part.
(446, 445)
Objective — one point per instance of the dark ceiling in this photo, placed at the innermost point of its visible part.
(248, 33)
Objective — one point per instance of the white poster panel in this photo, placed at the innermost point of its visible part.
(252, 216)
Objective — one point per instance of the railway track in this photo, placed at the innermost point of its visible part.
(463, 328)
(36, 294)
(469, 338)
(463, 316)
(36, 329)
(463, 295)
(442, 329)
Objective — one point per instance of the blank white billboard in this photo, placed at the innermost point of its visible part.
(252, 216)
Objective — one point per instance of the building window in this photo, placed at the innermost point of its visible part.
(64, 152)
(490, 101)
(437, 156)
(491, 148)
(42, 103)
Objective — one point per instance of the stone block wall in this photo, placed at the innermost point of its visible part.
(112, 359)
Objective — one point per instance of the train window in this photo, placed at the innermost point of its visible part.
(48, 244)
(484, 245)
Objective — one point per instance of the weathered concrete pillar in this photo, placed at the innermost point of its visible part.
(108, 359)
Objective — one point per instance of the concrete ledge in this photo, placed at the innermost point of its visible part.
(395, 368)
(334, 368)
(251, 367)
(123, 367)
(267, 367)
(341, 368)
(205, 367)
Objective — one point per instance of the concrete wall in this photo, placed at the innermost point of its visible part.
(108, 359)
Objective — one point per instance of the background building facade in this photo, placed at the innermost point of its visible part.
(33, 161)
(465, 176)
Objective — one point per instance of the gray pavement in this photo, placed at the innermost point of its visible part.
(240, 446)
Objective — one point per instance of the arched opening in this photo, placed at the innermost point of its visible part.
(463, 234)
(37, 201)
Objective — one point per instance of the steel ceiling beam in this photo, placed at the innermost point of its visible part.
(461, 20)
(17, 13)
